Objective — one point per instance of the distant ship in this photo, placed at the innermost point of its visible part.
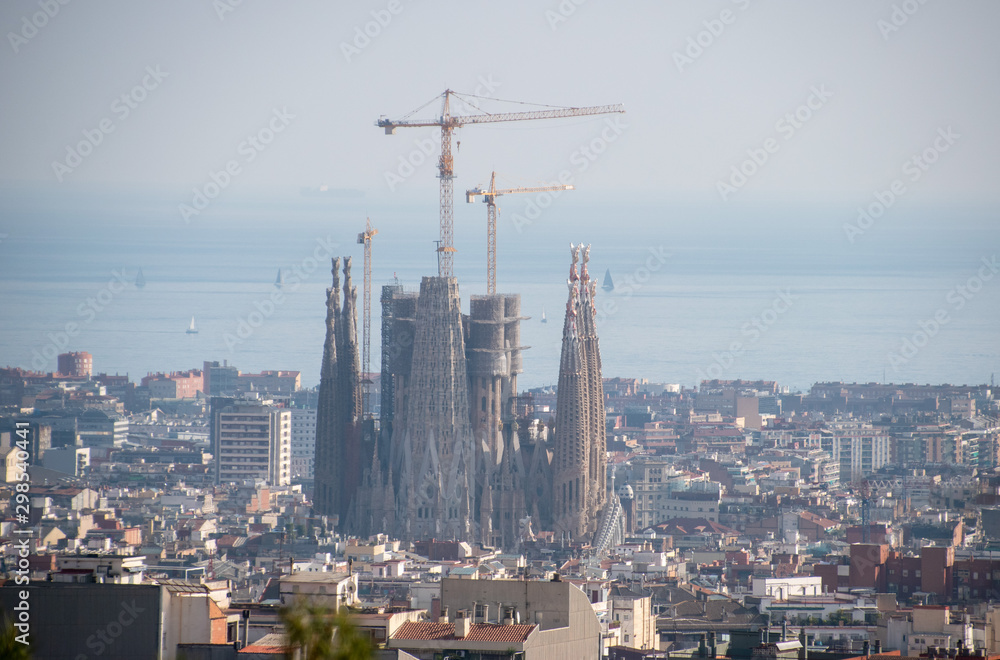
(608, 284)
(191, 329)
(140, 280)
(327, 191)
(279, 281)
(544, 320)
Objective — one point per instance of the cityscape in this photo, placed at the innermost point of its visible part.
(268, 391)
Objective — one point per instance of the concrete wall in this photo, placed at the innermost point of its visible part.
(782, 588)
(107, 621)
(187, 620)
(568, 626)
(638, 624)
(933, 619)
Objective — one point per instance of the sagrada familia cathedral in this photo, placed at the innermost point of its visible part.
(449, 459)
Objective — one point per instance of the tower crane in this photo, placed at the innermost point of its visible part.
(365, 238)
(866, 493)
(489, 196)
(446, 170)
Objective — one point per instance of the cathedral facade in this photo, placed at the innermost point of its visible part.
(454, 456)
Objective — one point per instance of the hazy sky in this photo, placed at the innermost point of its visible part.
(885, 81)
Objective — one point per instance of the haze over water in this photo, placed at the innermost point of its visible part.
(804, 303)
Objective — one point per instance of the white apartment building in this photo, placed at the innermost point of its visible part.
(303, 442)
(252, 441)
(858, 448)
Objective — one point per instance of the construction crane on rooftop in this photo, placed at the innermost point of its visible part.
(446, 166)
(490, 196)
(866, 493)
(365, 238)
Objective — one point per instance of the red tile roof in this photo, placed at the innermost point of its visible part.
(478, 632)
(425, 630)
(495, 632)
(686, 526)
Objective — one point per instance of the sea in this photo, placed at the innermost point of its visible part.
(776, 290)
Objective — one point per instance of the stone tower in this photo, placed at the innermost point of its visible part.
(386, 384)
(432, 435)
(342, 455)
(329, 431)
(494, 359)
(448, 462)
(598, 459)
(580, 459)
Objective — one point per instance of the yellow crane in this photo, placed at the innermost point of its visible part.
(446, 166)
(490, 197)
(365, 238)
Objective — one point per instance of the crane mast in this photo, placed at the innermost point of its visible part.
(489, 196)
(365, 238)
(446, 170)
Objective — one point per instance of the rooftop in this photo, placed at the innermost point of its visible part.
(478, 632)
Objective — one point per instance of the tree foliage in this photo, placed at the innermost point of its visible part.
(324, 635)
(9, 646)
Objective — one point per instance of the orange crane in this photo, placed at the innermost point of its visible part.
(490, 197)
(446, 166)
(365, 238)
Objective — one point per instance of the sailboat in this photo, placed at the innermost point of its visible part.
(140, 280)
(608, 284)
(279, 281)
(191, 329)
(544, 320)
